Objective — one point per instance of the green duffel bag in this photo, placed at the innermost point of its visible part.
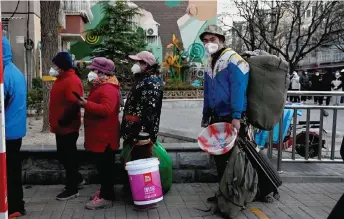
(165, 167)
(267, 88)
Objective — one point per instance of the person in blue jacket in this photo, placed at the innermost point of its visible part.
(15, 128)
(225, 84)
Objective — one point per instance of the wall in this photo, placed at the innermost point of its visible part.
(185, 19)
(8, 7)
(173, 19)
(18, 27)
(189, 165)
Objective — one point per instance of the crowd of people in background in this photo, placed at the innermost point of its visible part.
(329, 81)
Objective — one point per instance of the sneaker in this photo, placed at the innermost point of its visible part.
(96, 195)
(66, 195)
(80, 185)
(17, 214)
(212, 199)
(98, 203)
(146, 207)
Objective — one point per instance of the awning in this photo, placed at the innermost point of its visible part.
(12, 18)
(72, 37)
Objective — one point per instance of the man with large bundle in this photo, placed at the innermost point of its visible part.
(225, 84)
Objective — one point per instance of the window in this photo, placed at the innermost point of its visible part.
(5, 32)
(308, 15)
(151, 40)
(314, 53)
(313, 10)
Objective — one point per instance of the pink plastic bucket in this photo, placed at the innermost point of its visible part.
(144, 178)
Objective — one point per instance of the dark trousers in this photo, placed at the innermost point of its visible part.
(105, 164)
(295, 99)
(304, 98)
(338, 210)
(67, 155)
(142, 152)
(221, 163)
(321, 100)
(14, 176)
(220, 160)
(316, 99)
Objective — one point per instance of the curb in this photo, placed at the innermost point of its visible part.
(312, 179)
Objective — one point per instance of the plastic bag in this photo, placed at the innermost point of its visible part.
(165, 166)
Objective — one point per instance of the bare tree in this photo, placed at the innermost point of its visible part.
(49, 39)
(244, 30)
(291, 29)
(337, 39)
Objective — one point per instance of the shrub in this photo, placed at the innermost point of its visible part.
(35, 96)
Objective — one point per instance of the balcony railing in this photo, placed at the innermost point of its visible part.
(82, 7)
(323, 57)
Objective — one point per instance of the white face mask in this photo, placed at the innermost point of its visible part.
(317, 74)
(306, 73)
(337, 75)
(92, 76)
(136, 69)
(212, 48)
(53, 72)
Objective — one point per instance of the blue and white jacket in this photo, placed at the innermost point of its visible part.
(225, 87)
(15, 96)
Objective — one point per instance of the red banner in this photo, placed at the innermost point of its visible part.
(3, 183)
(1, 64)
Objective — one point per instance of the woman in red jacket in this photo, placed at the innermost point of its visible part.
(102, 127)
(65, 120)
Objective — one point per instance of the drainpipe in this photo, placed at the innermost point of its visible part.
(3, 174)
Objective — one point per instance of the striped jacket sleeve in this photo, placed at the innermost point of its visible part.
(238, 70)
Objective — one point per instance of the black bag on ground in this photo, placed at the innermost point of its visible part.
(268, 178)
(267, 88)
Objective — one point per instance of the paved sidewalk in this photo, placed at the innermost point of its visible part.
(298, 201)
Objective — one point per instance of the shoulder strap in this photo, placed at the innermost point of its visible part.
(226, 50)
(223, 52)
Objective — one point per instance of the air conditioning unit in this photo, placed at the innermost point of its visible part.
(152, 30)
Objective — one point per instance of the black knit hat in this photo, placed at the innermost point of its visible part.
(143, 138)
(63, 61)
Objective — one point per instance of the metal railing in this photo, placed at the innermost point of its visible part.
(308, 109)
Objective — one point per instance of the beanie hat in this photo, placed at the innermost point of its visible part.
(63, 61)
(103, 65)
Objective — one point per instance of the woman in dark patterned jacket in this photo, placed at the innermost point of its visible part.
(143, 106)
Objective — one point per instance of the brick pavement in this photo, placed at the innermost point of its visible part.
(298, 201)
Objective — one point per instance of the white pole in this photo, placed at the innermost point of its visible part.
(3, 175)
